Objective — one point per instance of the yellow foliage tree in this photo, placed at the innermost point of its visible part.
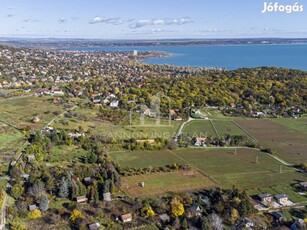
(234, 215)
(177, 208)
(76, 214)
(17, 226)
(2, 196)
(150, 212)
(34, 214)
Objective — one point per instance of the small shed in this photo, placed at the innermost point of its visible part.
(81, 199)
(30, 158)
(25, 176)
(164, 217)
(88, 180)
(33, 207)
(94, 226)
(107, 196)
(303, 184)
(126, 217)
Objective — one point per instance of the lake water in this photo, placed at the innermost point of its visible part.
(230, 57)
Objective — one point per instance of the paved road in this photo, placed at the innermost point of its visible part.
(182, 125)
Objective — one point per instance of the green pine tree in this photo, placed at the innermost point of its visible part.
(43, 203)
(63, 189)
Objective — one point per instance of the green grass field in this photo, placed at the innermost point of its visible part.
(143, 158)
(228, 127)
(165, 182)
(285, 136)
(121, 131)
(20, 111)
(299, 125)
(149, 227)
(10, 140)
(66, 154)
(215, 114)
(199, 128)
(222, 165)
(241, 169)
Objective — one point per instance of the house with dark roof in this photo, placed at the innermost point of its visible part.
(265, 198)
(303, 184)
(278, 216)
(281, 198)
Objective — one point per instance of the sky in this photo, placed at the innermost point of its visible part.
(149, 19)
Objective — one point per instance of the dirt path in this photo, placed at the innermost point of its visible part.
(215, 130)
(248, 133)
(3, 213)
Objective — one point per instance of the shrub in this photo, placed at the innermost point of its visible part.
(76, 214)
(34, 214)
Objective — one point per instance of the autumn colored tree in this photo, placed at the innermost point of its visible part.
(16, 225)
(150, 212)
(75, 214)
(233, 215)
(177, 208)
(34, 214)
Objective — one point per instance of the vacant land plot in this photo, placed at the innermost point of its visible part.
(155, 129)
(19, 112)
(293, 124)
(199, 128)
(224, 161)
(228, 128)
(88, 119)
(10, 140)
(221, 165)
(143, 159)
(66, 154)
(165, 182)
(242, 169)
(213, 113)
(290, 144)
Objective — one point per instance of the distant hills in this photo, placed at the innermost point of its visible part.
(64, 42)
